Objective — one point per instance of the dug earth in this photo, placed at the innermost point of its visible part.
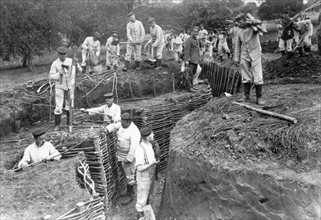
(247, 165)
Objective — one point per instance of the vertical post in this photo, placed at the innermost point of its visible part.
(154, 87)
(173, 77)
(102, 171)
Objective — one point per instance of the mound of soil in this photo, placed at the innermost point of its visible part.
(304, 67)
(269, 46)
(227, 162)
(51, 187)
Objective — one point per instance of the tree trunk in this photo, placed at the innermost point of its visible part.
(31, 67)
(25, 60)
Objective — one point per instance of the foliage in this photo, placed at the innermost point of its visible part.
(273, 9)
(250, 7)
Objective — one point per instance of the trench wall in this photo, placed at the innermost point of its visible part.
(196, 189)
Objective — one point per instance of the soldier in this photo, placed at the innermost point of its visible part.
(222, 45)
(177, 46)
(90, 51)
(248, 56)
(128, 137)
(135, 35)
(112, 51)
(192, 58)
(61, 72)
(111, 110)
(40, 150)
(286, 37)
(202, 37)
(305, 30)
(157, 41)
(146, 160)
(318, 33)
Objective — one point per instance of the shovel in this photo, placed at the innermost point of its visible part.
(152, 58)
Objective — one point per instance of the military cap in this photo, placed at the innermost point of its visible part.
(62, 50)
(195, 28)
(145, 131)
(126, 116)
(109, 95)
(130, 14)
(97, 34)
(38, 132)
(150, 20)
(239, 16)
(115, 35)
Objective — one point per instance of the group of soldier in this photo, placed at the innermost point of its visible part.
(136, 148)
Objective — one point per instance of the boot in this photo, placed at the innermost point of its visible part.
(301, 51)
(68, 117)
(158, 64)
(115, 67)
(228, 55)
(258, 90)
(137, 65)
(83, 69)
(283, 53)
(57, 122)
(221, 58)
(290, 55)
(129, 196)
(108, 67)
(307, 49)
(126, 66)
(247, 91)
(140, 215)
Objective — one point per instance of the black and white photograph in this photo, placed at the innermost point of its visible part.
(160, 110)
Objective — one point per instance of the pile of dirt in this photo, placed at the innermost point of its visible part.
(247, 161)
(269, 46)
(303, 67)
(51, 187)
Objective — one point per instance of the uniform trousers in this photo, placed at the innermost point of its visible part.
(133, 48)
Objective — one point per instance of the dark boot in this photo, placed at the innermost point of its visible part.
(221, 58)
(126, 66)
(83, 69)
(129, 196)
(290, 55)
(140, 215)
(108, 67)
(258, 90)
(158, 64)
(228, 55)
(307, 50)
(247, 91)
(137, 65)
(283, 53)
(301, 51)
(68, 117)
(115, 67)
(57, 122)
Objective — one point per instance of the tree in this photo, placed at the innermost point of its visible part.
(250, 7)
(26, 30)
(273, 9)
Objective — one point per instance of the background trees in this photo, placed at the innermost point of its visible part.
(273, 9)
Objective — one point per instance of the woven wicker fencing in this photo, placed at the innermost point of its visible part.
(221, 78)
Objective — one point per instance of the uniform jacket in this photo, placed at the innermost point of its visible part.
(89, 43)
(247, 45)
(113, 111)
(192, 51)
(318, 33)
(62, 76)
(112, 49)
(305, 26)
(135, 31)
(157, 34)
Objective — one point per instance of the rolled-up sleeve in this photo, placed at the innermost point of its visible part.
(53, 152)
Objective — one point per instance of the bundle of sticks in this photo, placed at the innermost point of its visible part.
(256, 24)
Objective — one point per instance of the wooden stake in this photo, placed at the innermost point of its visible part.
(173, 77)
(273, 114)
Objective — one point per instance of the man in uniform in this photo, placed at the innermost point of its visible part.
(305, 30)
(192, 58)
(90, 51)
(135, 35)
(112, 51)
(61, 72)
(40, 150)
(157, 41)
(318, 33)
(111, 110)
(128, 138)
(248, 56)
(202, 37)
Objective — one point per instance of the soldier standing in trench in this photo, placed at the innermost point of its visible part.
(135, 35)
(128, 138)
(146, 160)
(90, 51)
(112, 51)
(192, 58)
(248, 56)
(61, 72)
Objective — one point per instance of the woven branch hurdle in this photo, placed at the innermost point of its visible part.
(221, 78)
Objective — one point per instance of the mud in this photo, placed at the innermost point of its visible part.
(247, 165)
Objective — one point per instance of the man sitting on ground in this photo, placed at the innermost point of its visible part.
(111, 110)
(40, 150)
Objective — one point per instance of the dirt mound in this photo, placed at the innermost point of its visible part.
(304, 67)
(226, 159)
(50, 187)
(269, 46)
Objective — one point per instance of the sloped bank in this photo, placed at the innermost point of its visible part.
(23, 106)
(227, 162)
